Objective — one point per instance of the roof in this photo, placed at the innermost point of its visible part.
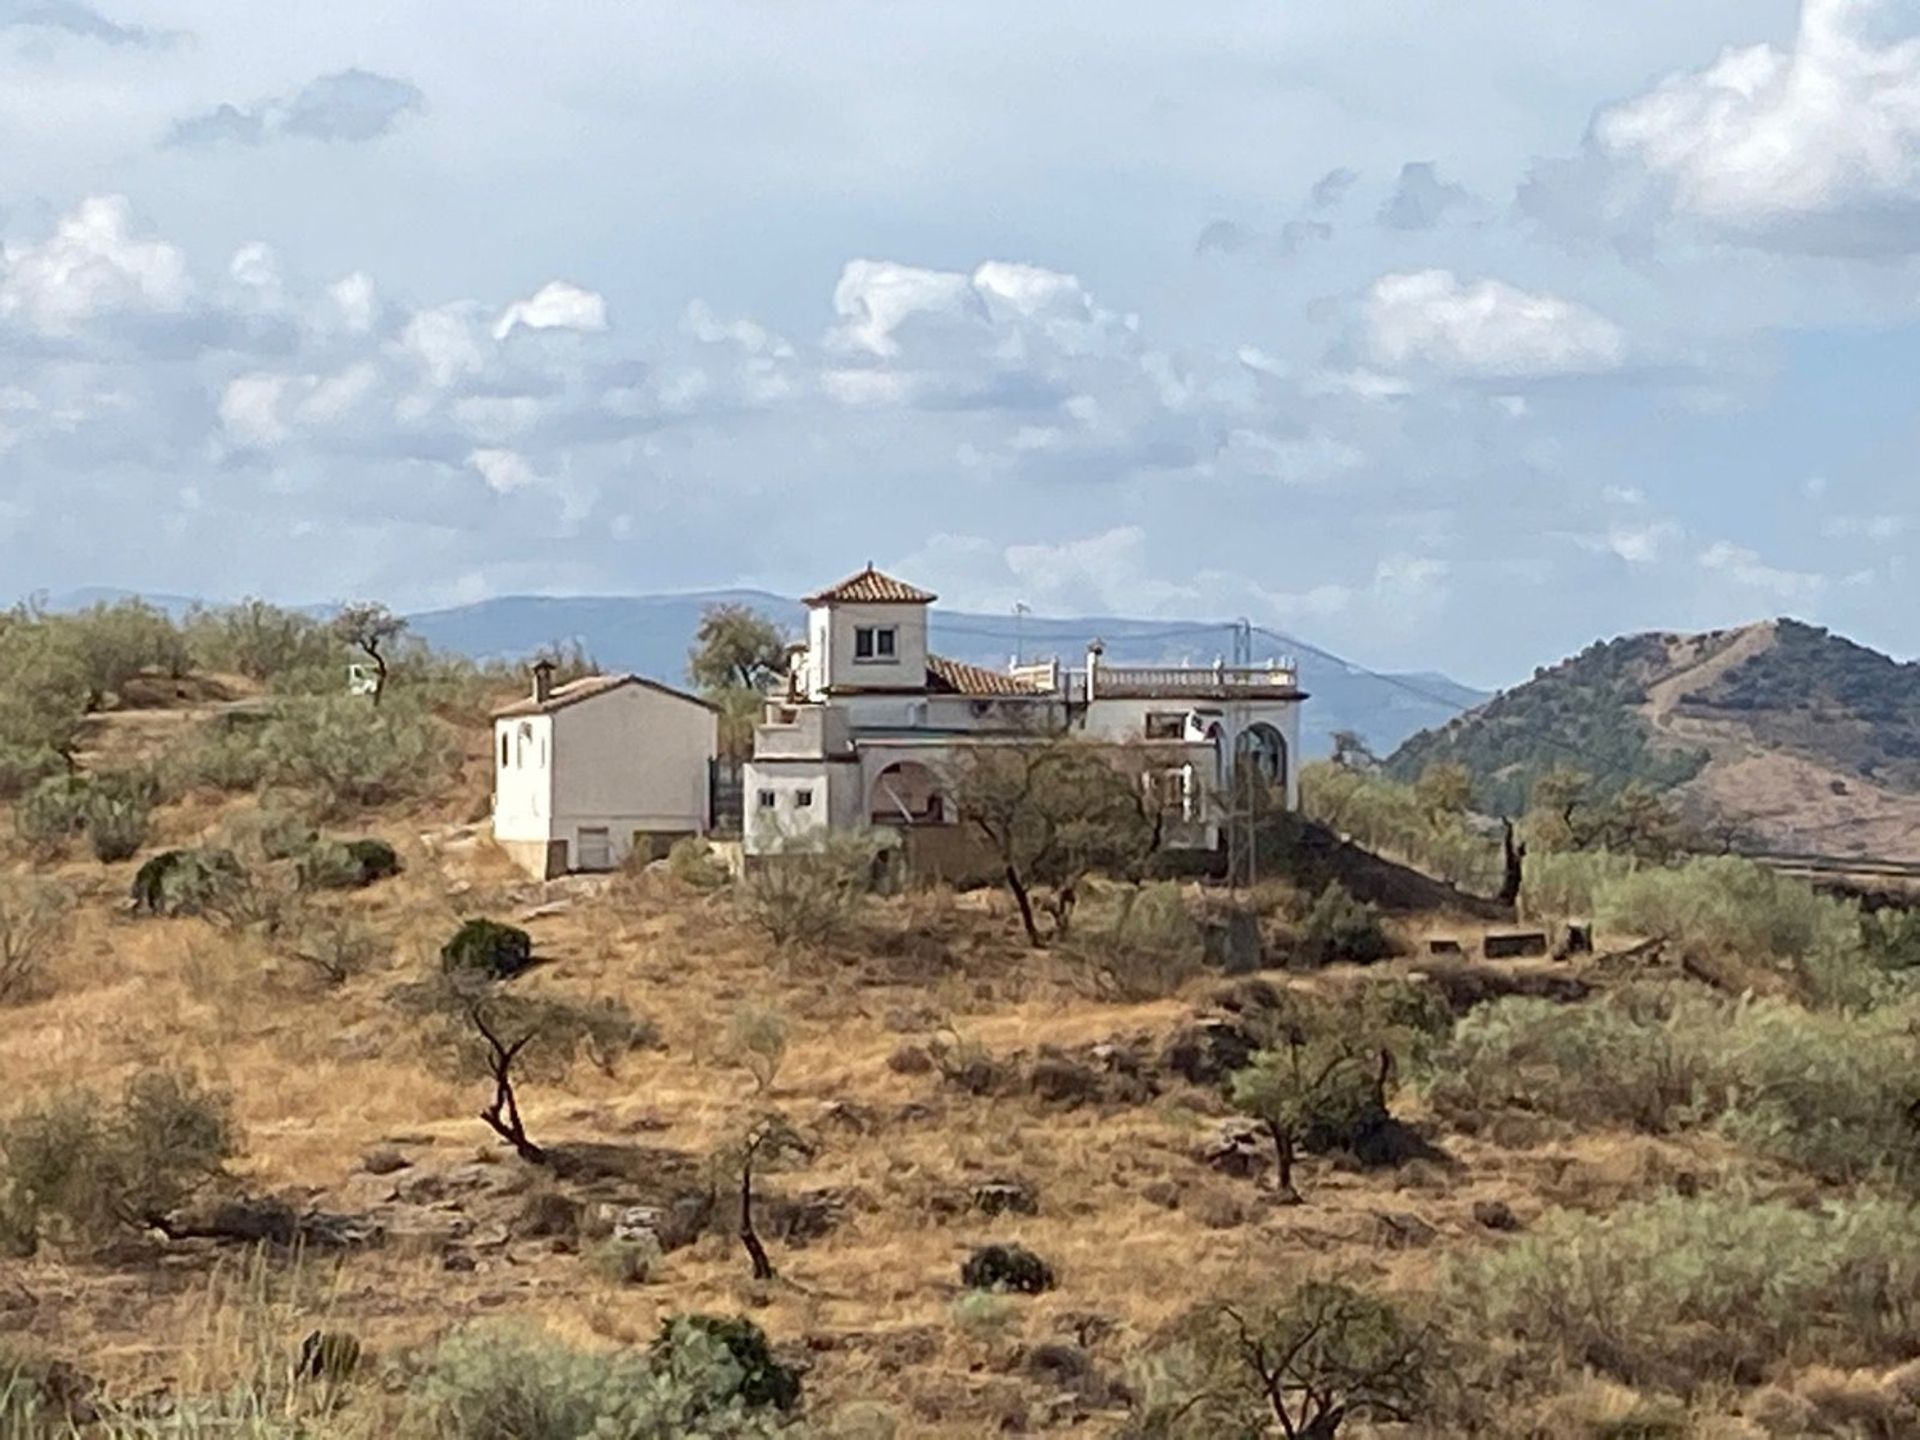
(956, 677)
(870, 587)
(586, 688)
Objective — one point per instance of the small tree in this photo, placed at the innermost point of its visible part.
(1317, 1087)
(1351, 751)
(737, 655)
(480, 1029)
(756, 1040)
(768, 1140)
(1054, 810)
(370, 628)
(1301, 1367)
(1444, 789)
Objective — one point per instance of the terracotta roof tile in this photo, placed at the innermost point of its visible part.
(870, 587)
(956, 677)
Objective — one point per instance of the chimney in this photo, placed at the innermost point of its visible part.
(1094, 652)
(542, 681)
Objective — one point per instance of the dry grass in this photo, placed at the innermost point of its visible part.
(322, 1076)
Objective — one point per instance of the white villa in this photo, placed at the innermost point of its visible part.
(871, 719)
(586, 773)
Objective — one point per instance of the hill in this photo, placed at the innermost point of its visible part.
(651, 634)
(1792, 737)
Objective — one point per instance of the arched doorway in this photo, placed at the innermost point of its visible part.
(1264, 750)
(907, 793)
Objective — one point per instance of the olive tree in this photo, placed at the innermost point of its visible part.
(1053, 810)
(371, 628)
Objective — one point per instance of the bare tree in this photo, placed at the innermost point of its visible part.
(371, 628)
(767, 1141)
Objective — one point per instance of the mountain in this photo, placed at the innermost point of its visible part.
(651, 634)
(1796, 738)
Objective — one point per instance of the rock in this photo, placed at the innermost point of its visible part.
(1398, 1230)
(384, 1161)
(1061, 1080)
(548, 1213)
(1495, 1215)
(1209, 1049)
(459, 1261)
(1006, 1267)
(910, 1060)
(1005, 1197)
(1164, 1193)
(1236, 1149)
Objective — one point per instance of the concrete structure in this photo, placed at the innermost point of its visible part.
(871, 722)
(587, 772)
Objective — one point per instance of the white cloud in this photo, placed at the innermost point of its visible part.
(1641, 544)
(1745, 567)
(1486, 329)
(1812, 147)
(1865, 527)
(557, 305)
(874, 299)
(504, 470)
(352, 105)
(92, 265)
(250, 410)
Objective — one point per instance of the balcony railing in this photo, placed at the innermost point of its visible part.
(1193, 679)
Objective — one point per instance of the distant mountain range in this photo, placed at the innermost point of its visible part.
(1794, 738)
(651, 634)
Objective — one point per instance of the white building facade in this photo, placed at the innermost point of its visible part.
(872, 722)
(588, 772)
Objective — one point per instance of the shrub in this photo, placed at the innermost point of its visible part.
(691, 861)
(1565, 884)
(625, 1262)
(334, 947)
(981, 1314)
(53, 812)
(33, 920)
(1730, 905)
(1139, 942)
(81, 1169)
(117, 827)
(764, 1381)
(487, 949)
(271, 831)
(1645, 1294)
(1305, 1363)
(1337, 928)
(497, 1383)
(352, 865)
(808, 897)
(756, 1040)
(1830, 1093)
(1006, 1267)
(188, 882)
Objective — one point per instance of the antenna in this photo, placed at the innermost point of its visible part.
(1020, 613)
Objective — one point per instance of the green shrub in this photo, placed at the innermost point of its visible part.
(1006, 1267)
(756, 1040)
(24, 766)
(335, 947)
(498, 1383)
(72, 1167)
(53, 812)
(33, 921)
(1680, 1294)
(1140, 942)
(348, 754)
(691, 861)
(350, 865)
(1337, 928)
(1830, 1093)
(808, 896)
(1728, 904)
(117, 827)
(1567, 884)
(487, 949)
(625, 1262)
(271, 831)
(763, 1382)
(110, 808)
(188, 882)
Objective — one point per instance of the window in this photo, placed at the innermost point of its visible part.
(803, 799)
(767, 799)
(1166, 725)
(874, 642)
(503, 749)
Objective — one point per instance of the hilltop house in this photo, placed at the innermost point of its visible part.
(871, 720)
(587, 772)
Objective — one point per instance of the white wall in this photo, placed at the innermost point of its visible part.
(835, 624)
(523, 785)
(632, 759)
(768, 827)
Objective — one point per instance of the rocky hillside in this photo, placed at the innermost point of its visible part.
(1793, 737)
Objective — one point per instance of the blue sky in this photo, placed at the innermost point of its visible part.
(1446, 336)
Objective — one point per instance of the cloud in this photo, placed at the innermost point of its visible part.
(1230, 237)
(350, 106)
(1486, 329)
(1744, 567)
(93, 265)
(1421, 199)
(70, 17)
(1880, 528)
(1331, 188)
(1813, 148)
(557, 305)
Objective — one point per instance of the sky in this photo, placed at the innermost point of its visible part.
(1446, 336)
